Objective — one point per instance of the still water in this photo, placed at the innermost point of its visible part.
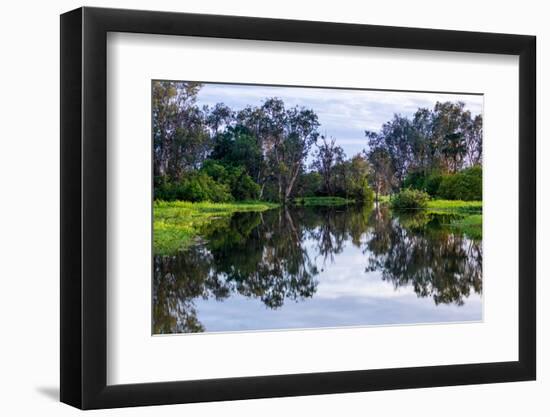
(320, 267)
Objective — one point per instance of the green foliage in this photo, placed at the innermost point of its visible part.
(361, 191)
(357, 179)
(410, 199)
(220, 154)
(328, 159)
(414, 180)
(444, 139)
(465, 185)
(432, 183)
(197, 186)
(425, 182)
(237, 147)
(455, 205)
(179, 143)
(241, 185)
(215, 170)
(309, 184)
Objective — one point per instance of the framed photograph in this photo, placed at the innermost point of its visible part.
(257, 208)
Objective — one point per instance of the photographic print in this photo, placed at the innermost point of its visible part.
(283, 207)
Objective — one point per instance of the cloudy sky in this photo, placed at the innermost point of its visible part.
(343, 114)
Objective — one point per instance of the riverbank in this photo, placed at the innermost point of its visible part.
(177, 223)
(456, 205)
(472, 222)
(440, 204)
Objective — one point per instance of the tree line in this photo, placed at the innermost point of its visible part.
(438, 150)
(275, 152)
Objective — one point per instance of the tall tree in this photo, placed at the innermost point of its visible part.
(396, 137)
(359, 171)
(382, 178)
(474, 134)
(252, 121)
(327, 156)
(286, 136)
(237, 147)
(180, 138)
(218, 117)
(423, 151)
(445, 139)
(451, 122)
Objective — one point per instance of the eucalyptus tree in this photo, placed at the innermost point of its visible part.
(219, 116)
(451, 122)
(474, 142)
(285, 137)
(381, 176)
(180, 137)
(445, 139)
(326, 158)
(290, 151)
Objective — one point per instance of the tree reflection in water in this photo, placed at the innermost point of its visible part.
(417, 249)
(269, 256)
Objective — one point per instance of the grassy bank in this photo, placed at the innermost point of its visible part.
(456, 205)
(321, 201)
(472, 222)
(178, 223)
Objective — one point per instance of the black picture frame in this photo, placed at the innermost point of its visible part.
(84, 207)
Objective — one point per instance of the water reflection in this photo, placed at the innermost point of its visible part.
(279, 258)
(417, 249)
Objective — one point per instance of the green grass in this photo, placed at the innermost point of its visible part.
(445, 204)
(455, 205)
(472, 222)
(177, 224)
(321, 201)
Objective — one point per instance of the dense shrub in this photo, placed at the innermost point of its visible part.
(238, 147)
(410, 199)
(425, 182)
(309, 184)
(215, 170)
(465, 185)
(361, 191)
(414, 180)
(194, 187)
(241, 185)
